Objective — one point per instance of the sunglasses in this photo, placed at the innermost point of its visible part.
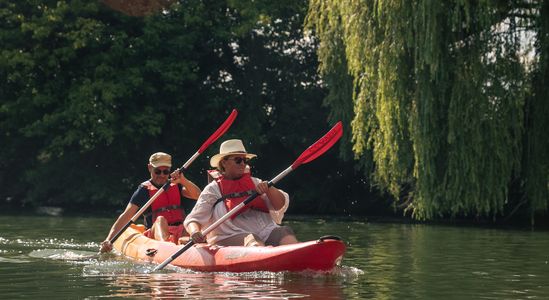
(238, 160)
(165, 171)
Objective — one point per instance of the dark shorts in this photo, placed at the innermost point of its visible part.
(277, 234)
(273, 240)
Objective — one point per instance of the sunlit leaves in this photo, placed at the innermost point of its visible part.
(439, 92)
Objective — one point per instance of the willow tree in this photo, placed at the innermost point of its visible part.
(447, 100)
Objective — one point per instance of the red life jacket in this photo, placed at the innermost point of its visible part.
(240, 186)
(168, 204)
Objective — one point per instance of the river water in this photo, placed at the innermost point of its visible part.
(56, 258)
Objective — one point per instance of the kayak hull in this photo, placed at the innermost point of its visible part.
(321, 255)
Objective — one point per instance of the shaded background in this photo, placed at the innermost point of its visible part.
(89, 93)
(91, 89)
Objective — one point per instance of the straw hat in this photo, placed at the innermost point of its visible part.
(160, 159)
(229, 147)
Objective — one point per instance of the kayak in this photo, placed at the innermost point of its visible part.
(320, 255)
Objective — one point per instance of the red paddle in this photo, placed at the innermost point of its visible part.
(311, 153)
(217, 134)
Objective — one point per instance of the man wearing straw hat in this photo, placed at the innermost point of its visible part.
(257, 223)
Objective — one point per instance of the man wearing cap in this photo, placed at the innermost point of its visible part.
(255, 224)
(165, 217)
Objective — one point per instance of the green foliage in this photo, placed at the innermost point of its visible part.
(440, 91)
(89, 93)
(536, 156)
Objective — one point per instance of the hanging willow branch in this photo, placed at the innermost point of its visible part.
(438, 91)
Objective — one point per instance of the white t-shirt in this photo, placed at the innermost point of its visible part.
(250, 221)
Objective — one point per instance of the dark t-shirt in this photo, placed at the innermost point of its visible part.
(140, 196)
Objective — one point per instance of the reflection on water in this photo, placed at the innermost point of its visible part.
(56, 258)
(14, 260)
(438, 262)
(218, 285)
(131, 279)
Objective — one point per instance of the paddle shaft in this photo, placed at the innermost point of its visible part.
(217, 134)
(222, 219)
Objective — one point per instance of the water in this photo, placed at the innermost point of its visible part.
(56, 257)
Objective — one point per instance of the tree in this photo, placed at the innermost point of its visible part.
(443, 98)
(90, 92)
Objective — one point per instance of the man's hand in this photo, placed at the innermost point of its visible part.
(262, 187)
(106, 246)
(198, 237)
(178, 177)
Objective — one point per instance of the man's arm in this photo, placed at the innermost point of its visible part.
(122, 220)
(190, 190)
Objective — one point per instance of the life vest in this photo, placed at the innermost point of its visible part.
(167, 204)
(236, 191)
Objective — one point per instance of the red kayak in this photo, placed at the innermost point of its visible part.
(321, 255)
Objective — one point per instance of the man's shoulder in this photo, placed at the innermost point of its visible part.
(141, 188)
(211, 188)
(141, 193)
(211, 185)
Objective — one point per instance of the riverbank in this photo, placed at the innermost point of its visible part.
(541, 222)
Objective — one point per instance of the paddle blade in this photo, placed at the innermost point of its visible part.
(219, 132)
(320, 146)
